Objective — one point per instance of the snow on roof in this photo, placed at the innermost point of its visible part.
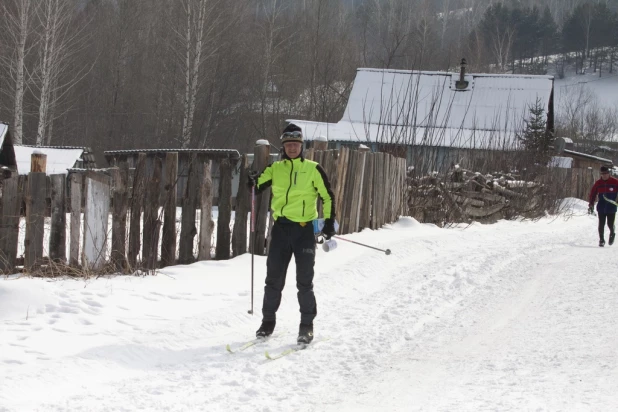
(588, 156)
(59, 160)
(562, 162)
(4, 128)
(391, 104)
(445, 137)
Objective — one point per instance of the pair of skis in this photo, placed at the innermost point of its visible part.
(269, 356)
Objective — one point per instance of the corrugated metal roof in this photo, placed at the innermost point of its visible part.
(587, 156)
(386, 105)
(56, 147)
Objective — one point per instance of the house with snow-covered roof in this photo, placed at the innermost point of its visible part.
(436, 118)
(60, 159)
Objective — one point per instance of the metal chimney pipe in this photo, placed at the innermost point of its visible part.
(462, 84)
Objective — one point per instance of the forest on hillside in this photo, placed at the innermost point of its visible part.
(120, 74)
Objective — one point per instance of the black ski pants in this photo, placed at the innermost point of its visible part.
(609, 217)
(290, 238)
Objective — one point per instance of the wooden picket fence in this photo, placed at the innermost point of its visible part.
(116, 222)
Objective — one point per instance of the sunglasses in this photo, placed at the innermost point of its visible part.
(296, 135)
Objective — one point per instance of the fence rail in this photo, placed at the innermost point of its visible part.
(116, 222)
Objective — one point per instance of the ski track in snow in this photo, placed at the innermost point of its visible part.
(513, 316)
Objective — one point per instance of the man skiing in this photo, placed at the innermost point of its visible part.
(606, 188)
(296, 183)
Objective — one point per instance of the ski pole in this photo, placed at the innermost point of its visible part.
(387, 251)
(250, 311)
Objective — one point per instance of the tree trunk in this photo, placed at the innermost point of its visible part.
(49, 44)
(23, 27)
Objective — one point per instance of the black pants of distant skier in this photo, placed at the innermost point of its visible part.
(610, 217)
(290, 238)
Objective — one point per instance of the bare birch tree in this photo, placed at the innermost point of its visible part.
(202, 25)
(59, 41)
(19, 29)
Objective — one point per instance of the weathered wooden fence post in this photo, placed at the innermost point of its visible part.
(365, 212)
(137, 203)
(96, 216)
(342, 170)
(364, 153)
(348, 206)
(260, 161)
(243, 206)
(189, 202)
(168, 243)
(378, 191)
(38, 162)
(120, 178)
(225, 210)
(403, 187)
(76, 217)
(35, 211)
(387, 189)
(152, 223)
(206, 223)
(58, 231)
(9, 224)
(320, 143)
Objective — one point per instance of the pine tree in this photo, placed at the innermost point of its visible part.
(535, 137)
(548, 35)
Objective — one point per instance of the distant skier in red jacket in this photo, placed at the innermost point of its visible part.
(606, 188)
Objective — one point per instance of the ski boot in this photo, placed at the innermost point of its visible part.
(601, 242)
(611, 238)
(266, 329)
(305, 334)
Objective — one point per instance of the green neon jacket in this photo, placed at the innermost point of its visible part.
(296, 185)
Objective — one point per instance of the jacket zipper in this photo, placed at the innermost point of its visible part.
(303, 208)
(289, 187)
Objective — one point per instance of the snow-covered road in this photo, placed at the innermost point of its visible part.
(506, 317)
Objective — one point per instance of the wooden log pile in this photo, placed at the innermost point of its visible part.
(465, 196)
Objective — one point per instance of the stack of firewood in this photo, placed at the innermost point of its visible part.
(464, 196)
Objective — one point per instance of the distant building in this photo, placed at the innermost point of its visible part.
(578, 160)
(435, 118)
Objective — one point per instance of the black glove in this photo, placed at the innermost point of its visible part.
(252, 179)
(329, 229)
(590, 209)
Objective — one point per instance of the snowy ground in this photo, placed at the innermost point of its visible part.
(507, 317)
